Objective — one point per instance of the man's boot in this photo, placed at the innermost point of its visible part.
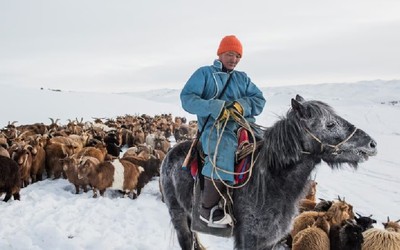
(210, 212)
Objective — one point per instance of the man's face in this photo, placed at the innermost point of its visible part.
(229, 59)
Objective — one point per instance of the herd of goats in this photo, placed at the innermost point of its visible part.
(89, 154)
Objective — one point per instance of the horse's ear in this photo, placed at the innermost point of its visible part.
(300, 109)
(299, 98)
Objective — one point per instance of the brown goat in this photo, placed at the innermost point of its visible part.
(337, 213)
(151, 168)
(55, 152)
(38, 159)
(4, 152)
(96, 152)
(23, 156)
(10, 178)
(118, 174)
(308, 203)
(70, 167)
(130, 152)
(314, 237)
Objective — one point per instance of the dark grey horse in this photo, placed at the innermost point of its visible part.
(266, 205)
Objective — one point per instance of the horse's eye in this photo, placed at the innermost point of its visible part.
(330, 125)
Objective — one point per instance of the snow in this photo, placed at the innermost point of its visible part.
(50, 216)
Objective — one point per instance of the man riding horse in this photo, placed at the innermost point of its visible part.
(216, 94)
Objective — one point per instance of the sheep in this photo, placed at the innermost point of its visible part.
(392, 225)
(10, 178)
(70, 166)
(381, 239)
(314, 237)
(119, 174)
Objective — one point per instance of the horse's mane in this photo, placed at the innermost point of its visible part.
(284, 146)
(283, 142)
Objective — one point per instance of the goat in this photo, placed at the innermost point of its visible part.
(55, 152)
(38, 159)
(365, 222)
(112, 144)
(132, 151)
(4, 152)
(10, 178)
(388, 238)
(323, 205)
(23, 156)
(151, 168)
(314, 237)
(346, 236)
(97, 152)
(70, 166)
(119, 174)
(308, 203)
(338, 212)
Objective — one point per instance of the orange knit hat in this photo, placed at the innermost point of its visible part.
(230, 43)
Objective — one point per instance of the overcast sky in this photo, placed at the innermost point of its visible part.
(131, 45)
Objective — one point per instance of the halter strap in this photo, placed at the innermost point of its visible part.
(335, 147)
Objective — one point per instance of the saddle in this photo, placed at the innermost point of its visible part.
(242, 156)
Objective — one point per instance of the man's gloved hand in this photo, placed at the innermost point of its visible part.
(236, 107)
(231, 111)
(223, 115)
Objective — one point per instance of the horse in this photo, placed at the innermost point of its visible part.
(291, 148)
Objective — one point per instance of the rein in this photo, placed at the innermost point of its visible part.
(250, 150)
(335, 147)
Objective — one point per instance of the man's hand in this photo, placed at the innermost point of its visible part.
(236, 107)
(235, 110)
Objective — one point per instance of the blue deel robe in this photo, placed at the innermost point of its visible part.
(200, 96)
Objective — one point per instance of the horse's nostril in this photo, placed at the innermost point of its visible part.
(373, 144)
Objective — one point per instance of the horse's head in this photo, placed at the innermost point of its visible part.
(329, 135)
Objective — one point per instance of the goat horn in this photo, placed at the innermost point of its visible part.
(358, 214)
(388, 219)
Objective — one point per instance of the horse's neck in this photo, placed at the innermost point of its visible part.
(282, 166)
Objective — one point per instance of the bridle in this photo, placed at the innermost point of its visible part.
(335, 147)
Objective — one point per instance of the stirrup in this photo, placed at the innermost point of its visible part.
(224, 222)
